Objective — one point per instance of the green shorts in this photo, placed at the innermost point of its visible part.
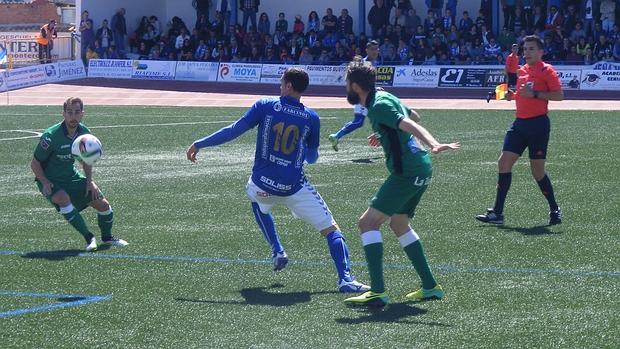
(401, 195)
(75, 188)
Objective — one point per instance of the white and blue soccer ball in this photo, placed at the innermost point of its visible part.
(87, 148)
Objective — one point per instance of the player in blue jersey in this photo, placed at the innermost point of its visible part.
(359, 111)
(288, 135)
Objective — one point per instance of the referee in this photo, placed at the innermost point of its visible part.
(538, 83)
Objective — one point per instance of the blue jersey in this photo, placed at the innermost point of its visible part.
(285, 129)
(288, 134)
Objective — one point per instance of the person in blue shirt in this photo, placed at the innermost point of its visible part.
(288, 135)
(359, 111)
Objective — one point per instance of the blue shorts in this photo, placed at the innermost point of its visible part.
(529, 133)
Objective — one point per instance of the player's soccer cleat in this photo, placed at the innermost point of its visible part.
(334, 141)
(91, 245)
(491, 217)
(279, 260)
(368, 299)
(352, 286)
(426, 295)
(555, 217)
(114, 241)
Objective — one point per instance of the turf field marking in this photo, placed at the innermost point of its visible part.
(446, 269)
(34, 134)
(73, 301)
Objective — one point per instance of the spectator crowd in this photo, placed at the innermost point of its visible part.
(574, 32)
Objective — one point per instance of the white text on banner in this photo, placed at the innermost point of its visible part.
(153, 70)
(326, 74)
(416, 76)
(110, 68)
(197, 71)
(239, 72)
(600, 80)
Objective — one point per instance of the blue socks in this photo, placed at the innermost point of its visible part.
(340, 254)
(265, 223)
(335, 241)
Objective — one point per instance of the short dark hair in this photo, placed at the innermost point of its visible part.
(536, 39)
(297, 77)
(72, 101)
(362, 73)
(372, 42)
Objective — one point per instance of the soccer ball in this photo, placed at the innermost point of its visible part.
(86, 148)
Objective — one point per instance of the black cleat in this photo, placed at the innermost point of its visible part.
(555, 217)
(491, 217)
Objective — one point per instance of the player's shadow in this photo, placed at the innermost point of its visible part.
(530, 231)
(59, 255)
(366, 160)
(262, 296)
(395, 312)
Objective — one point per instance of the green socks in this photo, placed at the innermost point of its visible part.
(373, 248)
(413, 248)
(105, 220)
(77, 222)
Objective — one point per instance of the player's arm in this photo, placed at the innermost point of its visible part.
(373, 139)
(91, 187)
(426, 137)
(222, 136)
(312, 144)
(39, 173)
(312, 155)
(42, 152)
(527, 91)
(226, 134)
(551, 95)
(554, 85)
(413, 115)
(357, 122)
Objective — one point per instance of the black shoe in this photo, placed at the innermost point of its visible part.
(555, 217)
(491, 217)
(114, 241)
(490, 95)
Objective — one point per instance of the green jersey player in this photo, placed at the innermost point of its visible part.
(63, 185)
(410, 174)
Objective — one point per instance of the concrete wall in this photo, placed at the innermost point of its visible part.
(100, 10)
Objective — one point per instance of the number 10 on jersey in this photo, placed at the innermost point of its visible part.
(286, 138)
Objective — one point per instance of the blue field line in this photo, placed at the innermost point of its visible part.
(79, 300)
(446, 269)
